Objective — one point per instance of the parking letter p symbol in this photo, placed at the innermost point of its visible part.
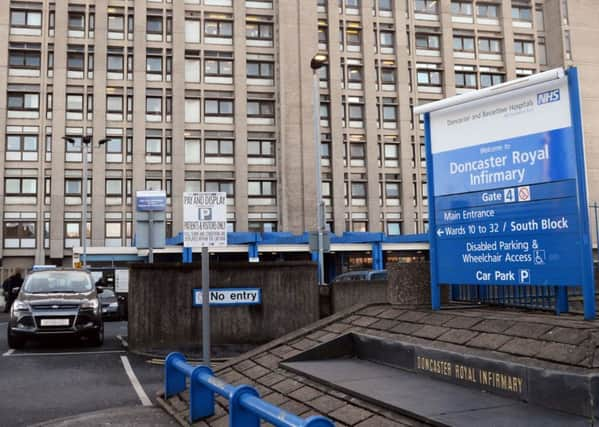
(205, 214)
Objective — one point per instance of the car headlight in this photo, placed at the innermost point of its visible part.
(20, 306)
(93, 304)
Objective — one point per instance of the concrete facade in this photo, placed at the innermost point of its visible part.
(217, 95)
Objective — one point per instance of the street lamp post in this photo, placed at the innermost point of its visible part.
(316, 63)
(85, 141)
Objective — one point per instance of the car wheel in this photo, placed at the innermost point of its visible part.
(97, 339)
(15, 342)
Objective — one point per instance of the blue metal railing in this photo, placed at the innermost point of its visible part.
(246, 409)
(533, 297)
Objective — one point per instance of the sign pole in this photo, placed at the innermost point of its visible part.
(151, 250)
(205, 306)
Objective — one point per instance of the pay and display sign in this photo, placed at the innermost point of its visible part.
(204, 219)
(507, 179)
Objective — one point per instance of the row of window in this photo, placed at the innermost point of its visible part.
(463, 43)
(216, 26)
(483, 10)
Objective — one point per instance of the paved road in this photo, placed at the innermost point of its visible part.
(64, 378)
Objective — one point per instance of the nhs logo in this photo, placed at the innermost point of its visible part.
(547, 97)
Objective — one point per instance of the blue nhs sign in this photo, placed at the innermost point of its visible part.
(548, 96)
(506, 179)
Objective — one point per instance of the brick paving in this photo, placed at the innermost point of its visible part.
(565, 343)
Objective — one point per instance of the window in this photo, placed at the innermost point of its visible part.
(25, 19)
(218, 148)
(386, 5)
(426, 6)
(262, 226)
(260, 70)
(113, 233)
(392, 191)
(524, 47)
(19, 234)
(389, 112)
(21, 147)
(427, 41)
(153, 150)
(393, 228)
(357, 154)
(461, 8)
(20, 187)
(114, 104)
(391, 154)
(72, 187)
(116, 23)
(192, 31)
(354, 74)
(261, 189)
(488, 79)
(388, 76)
(487, 10)
(76, 21)
(114, 149)
(23, 101)
(261, 148)
(75, 61)
(429, 78)
(465, 79)
(29, 59)
(218, 67)
(353, 37)
(489, 45)
(193, 185)
(74, 104)
(154, 65)
(521, 13)
(221, 187)
(260, 108)
(115, 63)
(258, 31)
(218, 107)
(192, 151)
(387, 38)
(154, 106)
(114, 191)
(358, 193)
(356, 112)
(192, 69)
(154, 25)
(192, 110)
(219, 29)
(463, 43)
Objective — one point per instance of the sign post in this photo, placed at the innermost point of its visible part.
(150, 202)
(205, 225)
(507, 181)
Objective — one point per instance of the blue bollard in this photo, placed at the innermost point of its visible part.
(240, 415)
(318, 421)
(174, 380)
(201, 398)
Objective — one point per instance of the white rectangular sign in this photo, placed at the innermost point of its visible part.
(204, 219)
(230, 296)
(121, 281)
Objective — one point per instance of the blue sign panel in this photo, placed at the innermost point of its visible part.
(507, 185)
(150, 201)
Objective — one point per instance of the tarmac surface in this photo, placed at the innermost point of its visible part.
(64, 382)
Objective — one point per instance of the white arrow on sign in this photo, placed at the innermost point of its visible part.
(440, 232)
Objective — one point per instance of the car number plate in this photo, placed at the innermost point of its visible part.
(55, 322)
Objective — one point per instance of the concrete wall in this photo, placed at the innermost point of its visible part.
(407, 283)
(161, 315)
(346, 294)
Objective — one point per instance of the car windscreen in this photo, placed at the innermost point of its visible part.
(58, 282)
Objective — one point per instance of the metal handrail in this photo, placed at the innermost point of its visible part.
(246, 408)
